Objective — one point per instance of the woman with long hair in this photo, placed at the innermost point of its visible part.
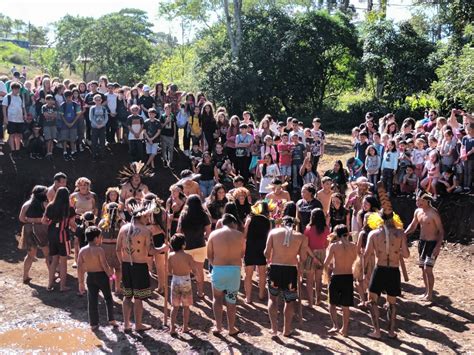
(82, 200)
(338, 214)
(209, 174)
(160, 98)
(34, 234)
(317, 232)
(231, 136)
(215, 203)
(267, 171)
(82, 86)
(209, 125)
(257, 227)
(222, 125)
(363, 272)
(59, 216)
(232, 209)
(134, 97)
(195, 224)
(174, 206)
(339, 176)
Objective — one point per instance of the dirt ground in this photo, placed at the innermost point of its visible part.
(32, 319)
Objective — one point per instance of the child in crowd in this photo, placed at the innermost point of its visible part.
(418, 156)
(409, 181)
(284, 149)
(372, 164)
(243, 141)
(361, 146)
(378, 144)
(69, 116)
(48, 121)
(267, 171)
(136, 131)
(467, 156)
(36, 143)
(448, 183)
(319, 138)
(268, 148)
(431, 173)
(222, 162)
(308, 174)
(389, 166)
(152, 136)
(98, 117)
(298, 151)
(447, 150)
(355, 167)
(180, 266)
(195, 155)
(195, 127)
(92, 260)
(255, 150)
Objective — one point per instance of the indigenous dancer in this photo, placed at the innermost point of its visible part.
(131, 180)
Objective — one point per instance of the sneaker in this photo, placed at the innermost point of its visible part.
(66, 157)
(39, 156)
(81, 147)
(32, 156)
(186, 152)
(49, 156)
(73, 156)
(165, 164)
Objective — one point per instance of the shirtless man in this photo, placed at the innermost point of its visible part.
(341, 286)
(388, 243)
(190, 187)
(324, 195)
(225, 250)
(92, 260)
(133, 188)
(134, 246)
(59, 180)
(278, 194)
(431, 238)
(282, 250)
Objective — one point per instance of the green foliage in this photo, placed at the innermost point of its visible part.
(421, 101)
(48, 60)
(286, 64)
(20, 30)
(178, 68)
(11, 53)
(396, 59)
(455, 84)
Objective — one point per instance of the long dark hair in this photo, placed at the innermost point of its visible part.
(213, 196)
(231, 208)
(342, 175)
(318, 220)
(290, 209)
(59, 207)
(193, 212)
(264, 168)
(38, 197)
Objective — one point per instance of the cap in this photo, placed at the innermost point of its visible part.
(146, 88)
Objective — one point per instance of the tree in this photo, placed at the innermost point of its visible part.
(6, 24)
(125, 54)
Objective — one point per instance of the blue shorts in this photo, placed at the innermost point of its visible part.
(285, 170)
(151, 149)
(226, 278)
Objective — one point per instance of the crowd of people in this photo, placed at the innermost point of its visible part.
(234, 206)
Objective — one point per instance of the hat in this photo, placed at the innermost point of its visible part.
(362, 180)
(146, 88)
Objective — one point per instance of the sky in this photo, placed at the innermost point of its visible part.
(45, 12)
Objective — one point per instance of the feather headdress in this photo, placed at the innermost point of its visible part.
(135, 168)
(377, 220)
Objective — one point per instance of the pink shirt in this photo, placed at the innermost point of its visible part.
(316, 241)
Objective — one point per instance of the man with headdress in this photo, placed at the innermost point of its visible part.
(431, 239)
(131, 180)
(387, 241)
(134, 246)
(284, 245)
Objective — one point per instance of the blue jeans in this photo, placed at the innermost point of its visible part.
(206, 187)
(295, 175)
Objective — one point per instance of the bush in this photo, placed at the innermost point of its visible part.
(15, 59)
(12, 54)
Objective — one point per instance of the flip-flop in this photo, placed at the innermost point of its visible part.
(395, 336)
(216, 332)
(292, 334)
(143, 329)
(50, 288)
(128, 330)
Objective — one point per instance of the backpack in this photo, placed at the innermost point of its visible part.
(181, 119)
(9, 100)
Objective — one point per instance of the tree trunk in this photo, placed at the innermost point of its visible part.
(235, 35)
(383, 7)
(370, 5)
(379, 86)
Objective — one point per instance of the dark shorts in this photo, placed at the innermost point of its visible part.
(135, 280)
(341, 290)
(283, 279)
(386, 279)
(425, 252)
(15, 128)
(158, 240)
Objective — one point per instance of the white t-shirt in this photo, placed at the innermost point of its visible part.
(15, 110)
(112, 102)
(3, 88)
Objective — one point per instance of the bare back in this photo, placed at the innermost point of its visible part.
(134, 245)
(344, 253)
(226, 246)
(180, 263)
(191, 187)
(377, 243)
(91, 258)
(281, 253)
